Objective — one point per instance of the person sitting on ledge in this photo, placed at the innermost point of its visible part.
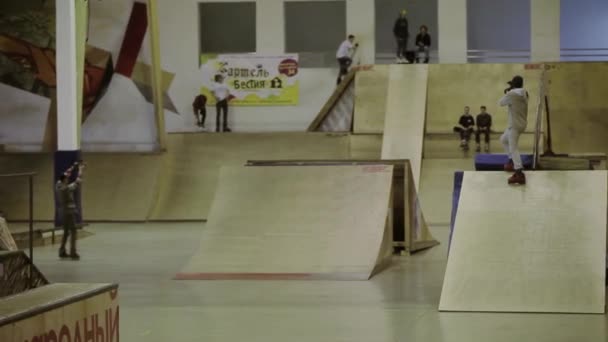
(465, 128)
(484, 126)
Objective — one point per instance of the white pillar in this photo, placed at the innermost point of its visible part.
(545, 30)
(270, 30)
(67, 77)
(452, 27)
(361, 21)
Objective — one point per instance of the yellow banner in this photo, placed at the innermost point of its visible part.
(253, 80)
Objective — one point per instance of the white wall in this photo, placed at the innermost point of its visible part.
(452, 31)
(545, 31)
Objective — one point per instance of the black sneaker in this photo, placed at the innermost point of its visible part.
(63, 254)
(74, 256)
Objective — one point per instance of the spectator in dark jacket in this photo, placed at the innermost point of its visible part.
(402, 33)
(484, 126)
(423, 43)
(466, 126)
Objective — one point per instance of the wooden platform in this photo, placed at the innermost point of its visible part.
(326, 222)
(534, 248)
(61, 312)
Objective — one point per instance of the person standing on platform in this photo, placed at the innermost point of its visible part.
(345, 56)
(484, 126)
(68, 209)
(222, 95)
(200, 110)
(465, 127)
(423, 45)
(516, 99)
(402, 34)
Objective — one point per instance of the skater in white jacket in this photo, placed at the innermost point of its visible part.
(516, 98)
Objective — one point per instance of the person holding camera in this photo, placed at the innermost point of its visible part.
(67, 205)
(345, 56)
(516, 99)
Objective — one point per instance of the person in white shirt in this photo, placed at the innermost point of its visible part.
(516, 99)
(345, 56)
(222, 95)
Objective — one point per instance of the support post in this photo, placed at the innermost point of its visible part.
(157, 74)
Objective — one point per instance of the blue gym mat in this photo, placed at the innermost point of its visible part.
(495, 162)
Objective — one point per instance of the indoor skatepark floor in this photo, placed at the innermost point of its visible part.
(399, 304)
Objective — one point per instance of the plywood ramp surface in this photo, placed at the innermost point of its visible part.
(534, 248)
(296, 222)
(370, 99)
(193, 161)
(405, 115)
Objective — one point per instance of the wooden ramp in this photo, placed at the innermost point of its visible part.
(405, 115)
(410, 229)
(534, 248)
(371, 87)
(325, 222)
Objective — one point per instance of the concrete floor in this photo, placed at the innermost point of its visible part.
(400, 304)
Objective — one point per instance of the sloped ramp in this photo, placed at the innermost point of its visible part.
(534, 248)
(371, 87)
(296, 223)
(405, 115)
(337, 113)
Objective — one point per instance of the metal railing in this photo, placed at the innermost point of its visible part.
(498, 56)
(524, 55)
(512, 55)
(389, 57)
(30, 179)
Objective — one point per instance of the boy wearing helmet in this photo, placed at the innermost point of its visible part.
(402, 33)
